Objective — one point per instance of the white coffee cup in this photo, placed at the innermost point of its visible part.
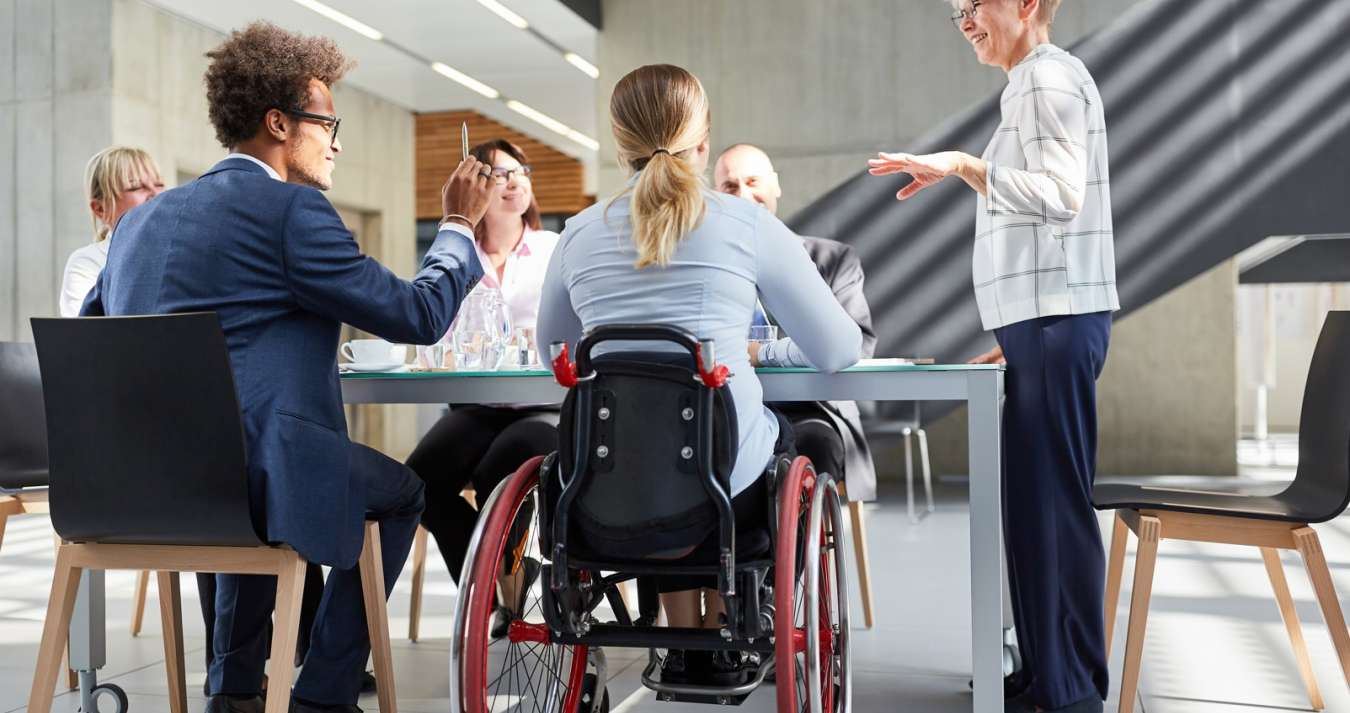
(374, 351)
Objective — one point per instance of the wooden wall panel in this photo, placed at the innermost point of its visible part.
(558, 181)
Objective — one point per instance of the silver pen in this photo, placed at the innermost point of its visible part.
(464, 140)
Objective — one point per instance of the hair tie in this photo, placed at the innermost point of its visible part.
(657, 152)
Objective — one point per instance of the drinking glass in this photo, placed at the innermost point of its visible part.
(763, 333)
(476, 338)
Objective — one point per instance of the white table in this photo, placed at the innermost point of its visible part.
(981, 386)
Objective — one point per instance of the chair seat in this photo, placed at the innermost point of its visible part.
(20, 478)
(1279, 507)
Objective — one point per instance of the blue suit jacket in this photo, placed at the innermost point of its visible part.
(274, 261)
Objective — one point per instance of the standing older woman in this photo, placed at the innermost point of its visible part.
(482, 444)
(116, 180)
(1044, 273)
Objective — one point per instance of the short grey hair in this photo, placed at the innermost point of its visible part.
(1045, 12)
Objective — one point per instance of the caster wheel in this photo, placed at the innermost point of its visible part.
(589, 693)
(108, 690)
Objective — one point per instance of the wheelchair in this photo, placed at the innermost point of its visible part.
(639, 489)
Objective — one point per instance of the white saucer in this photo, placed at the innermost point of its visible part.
(373, 367)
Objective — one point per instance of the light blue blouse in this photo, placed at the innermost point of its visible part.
(739, 251)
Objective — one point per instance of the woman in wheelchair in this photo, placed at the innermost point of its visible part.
(670, 468)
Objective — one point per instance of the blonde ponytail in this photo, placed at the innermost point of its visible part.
(660, 117)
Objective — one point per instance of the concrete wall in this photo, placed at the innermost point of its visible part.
(823, 85)
(55, 94)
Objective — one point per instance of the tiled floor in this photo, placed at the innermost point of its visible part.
(1215, 640)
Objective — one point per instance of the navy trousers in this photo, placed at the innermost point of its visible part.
(1056, 565)
(339, 641)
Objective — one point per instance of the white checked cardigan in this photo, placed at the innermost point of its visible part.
(1043, 242)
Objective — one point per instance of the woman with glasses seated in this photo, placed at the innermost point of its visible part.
(668, 250)
(482, 444)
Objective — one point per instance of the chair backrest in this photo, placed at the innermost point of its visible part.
(647, 444)
(1321, 487)
(23, 434)
(146, 442)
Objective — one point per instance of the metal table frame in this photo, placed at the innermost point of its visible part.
(980, 386)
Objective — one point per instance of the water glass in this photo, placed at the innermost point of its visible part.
(763, 333)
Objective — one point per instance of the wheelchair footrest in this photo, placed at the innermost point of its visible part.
(714, 694)
(708, 699)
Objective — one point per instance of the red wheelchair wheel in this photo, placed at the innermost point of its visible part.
(522, 671)
(811, 625)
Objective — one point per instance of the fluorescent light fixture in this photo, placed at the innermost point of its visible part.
(465, 79)
(554, 124)
(345, 20)
(539, 116)
(583, 139)
(591, 70)
(504, 13)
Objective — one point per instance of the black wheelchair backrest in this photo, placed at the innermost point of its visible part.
(647, 445)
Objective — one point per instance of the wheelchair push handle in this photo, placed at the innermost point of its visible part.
(703, 352)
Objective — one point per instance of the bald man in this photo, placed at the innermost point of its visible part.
(829, 432)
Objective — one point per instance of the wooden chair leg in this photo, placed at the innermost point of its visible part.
(285, 632)
(909, 475)
(72, 678)
(861, 559)
(1115, 568)
(377, 617)
(55, 632)
(138, 601)
(419, 570)
(171, 621)
(1275, 570)
(1150, 532)
(927, 467)
(1311, 549)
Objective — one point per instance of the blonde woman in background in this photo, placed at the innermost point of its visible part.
(116, 180)
(668, 250)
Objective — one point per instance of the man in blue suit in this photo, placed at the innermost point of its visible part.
(255, 241)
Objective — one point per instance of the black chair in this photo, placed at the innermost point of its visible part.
(148, 472)
(23, 435)
(1319, 492)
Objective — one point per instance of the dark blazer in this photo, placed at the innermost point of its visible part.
(838, 263)
(275, 263)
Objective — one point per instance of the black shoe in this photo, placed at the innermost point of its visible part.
(1015, 685)
(234, 704)
(367, 682)
(303, 706)
(675, 667)
(501, 615)
(728, 668)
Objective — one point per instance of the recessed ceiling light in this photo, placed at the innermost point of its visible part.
(591, 70)
(348, 21)
(504, 13)
(465, 79)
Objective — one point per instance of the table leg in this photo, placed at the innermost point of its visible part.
(985, 389)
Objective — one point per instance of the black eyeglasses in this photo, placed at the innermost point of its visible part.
(331, 122)
(959, 18)
(502, 175)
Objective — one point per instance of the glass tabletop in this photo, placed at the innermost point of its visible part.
(866, 366)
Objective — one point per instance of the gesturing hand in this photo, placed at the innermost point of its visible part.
(993, 356)
(927, 169)
(469, 190)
